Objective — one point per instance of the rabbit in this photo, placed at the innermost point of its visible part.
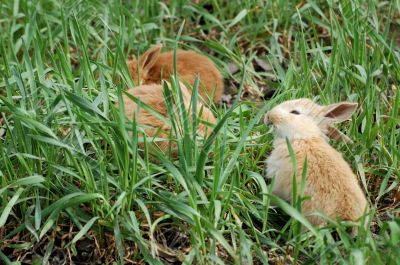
(153, 96)
(330, 182)
(153, 66)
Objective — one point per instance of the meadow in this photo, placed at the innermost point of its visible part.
(77, 188)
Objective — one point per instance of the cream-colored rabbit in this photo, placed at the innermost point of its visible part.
(330, 182)
(153, 66)
(153, 96)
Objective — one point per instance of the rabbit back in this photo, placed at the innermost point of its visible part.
(189, 64)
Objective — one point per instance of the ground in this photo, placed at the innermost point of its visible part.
(76, 189)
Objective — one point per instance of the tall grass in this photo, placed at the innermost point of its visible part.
(72, 168)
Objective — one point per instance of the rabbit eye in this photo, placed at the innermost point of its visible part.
(295, 112)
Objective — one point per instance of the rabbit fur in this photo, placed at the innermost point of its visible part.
(337, 113)
(153, 96)
(153, 66)
(330, 182)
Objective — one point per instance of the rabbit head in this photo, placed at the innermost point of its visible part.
(153, 96)
(302, 118)
(139, 69)
(204, 114)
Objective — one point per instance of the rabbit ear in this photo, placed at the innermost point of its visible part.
(337, 135)
(339, 112)
(185, 92)
(187, 96)
(149, 58)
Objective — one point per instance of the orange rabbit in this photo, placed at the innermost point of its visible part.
(153, 66)
(153, 97)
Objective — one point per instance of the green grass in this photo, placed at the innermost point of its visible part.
(71, 173)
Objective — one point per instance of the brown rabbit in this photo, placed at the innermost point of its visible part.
(330, 182)
(153, 66)
(153, 96)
